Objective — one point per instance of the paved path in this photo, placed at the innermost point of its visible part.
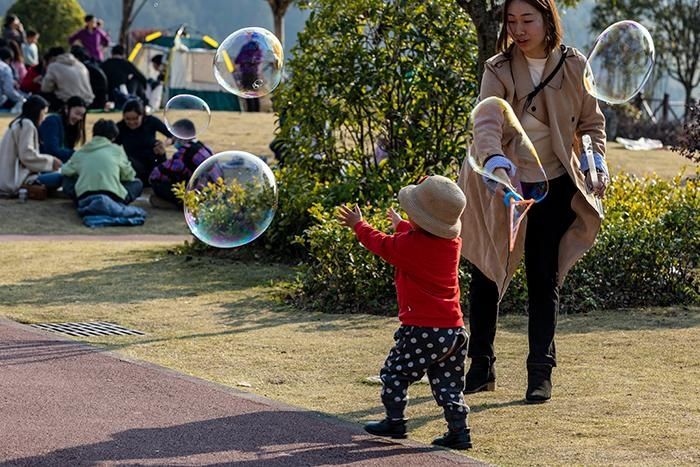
(66, 403)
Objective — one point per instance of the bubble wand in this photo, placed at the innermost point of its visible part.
(593, 173)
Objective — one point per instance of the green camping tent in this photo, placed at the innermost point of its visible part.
(189, 66)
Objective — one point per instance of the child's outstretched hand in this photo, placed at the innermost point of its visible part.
(394, 217)
(349, 217)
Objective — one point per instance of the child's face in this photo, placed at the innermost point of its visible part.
(33, 39)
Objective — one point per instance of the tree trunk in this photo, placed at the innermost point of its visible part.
(127, 10)
(486, 17)
(689, 101)
(279, 9)
(279, 27)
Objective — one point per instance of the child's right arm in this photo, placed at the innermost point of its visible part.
(394, 249)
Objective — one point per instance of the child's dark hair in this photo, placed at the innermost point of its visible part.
(32, 33)
(134, 105)
(31, 110)
(89, 18)
(184, 126)
(105, 128)
(6, 54)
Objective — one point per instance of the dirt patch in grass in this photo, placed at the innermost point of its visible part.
(625, 390)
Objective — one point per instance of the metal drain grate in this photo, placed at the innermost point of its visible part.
(92, 328)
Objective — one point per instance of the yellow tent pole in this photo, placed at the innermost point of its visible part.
(153, 36)
(135, 51)
(211, 41)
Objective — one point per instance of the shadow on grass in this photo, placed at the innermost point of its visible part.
(30, 218)
(680, 317)
(258, 438)
(156, 278)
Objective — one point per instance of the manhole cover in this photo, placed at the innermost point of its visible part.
(92, 328)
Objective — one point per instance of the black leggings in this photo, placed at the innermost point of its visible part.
(547, 222)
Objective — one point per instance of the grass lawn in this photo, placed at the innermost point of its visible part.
(625, 392)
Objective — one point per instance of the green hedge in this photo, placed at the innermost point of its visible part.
(647, 254)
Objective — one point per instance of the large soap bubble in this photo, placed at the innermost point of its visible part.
(230, 199)
(520, 199)
(620, 63)
(249, 62)
(186, 116)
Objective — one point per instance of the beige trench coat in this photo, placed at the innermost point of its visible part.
(570, 112)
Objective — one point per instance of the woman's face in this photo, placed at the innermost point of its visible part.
(75, 115)
(527, 29)
(42, 114)
(133, 120)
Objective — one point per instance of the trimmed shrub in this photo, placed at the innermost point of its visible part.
(647, 254)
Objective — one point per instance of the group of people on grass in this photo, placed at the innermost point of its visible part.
(44, 153)
(80, 71)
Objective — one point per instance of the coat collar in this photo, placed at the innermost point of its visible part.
(521, 73)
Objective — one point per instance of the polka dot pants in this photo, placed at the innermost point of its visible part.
(439, 352)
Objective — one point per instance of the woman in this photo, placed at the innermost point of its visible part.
(13, 30)
(18, 67)
(20, 159)
(137, 133)
(60, 133)
(542, 81)
(31, 83)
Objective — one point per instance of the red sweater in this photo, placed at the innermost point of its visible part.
(427, 283)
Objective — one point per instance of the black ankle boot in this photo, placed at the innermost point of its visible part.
(539, 383)
(481, 375)
(392, 428)
(459, 439)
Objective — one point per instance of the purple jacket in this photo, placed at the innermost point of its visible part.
(91, 41)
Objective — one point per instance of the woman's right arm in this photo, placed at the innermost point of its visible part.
(488, 126)
(50, 138)
(29, 154)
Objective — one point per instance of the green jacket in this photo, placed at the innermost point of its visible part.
(100, 165)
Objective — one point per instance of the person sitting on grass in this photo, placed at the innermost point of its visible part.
(60, 133)
(190, 153)
(101, 167)
(21, 162)
(9, 95)
(137, 133)
(425, 250)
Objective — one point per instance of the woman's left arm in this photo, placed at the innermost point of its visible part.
(161, 128)
(592, 122)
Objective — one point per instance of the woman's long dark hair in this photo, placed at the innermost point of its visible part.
(9, 19)
(31, 110)
(134, 105)
(73, 134)
(552, 25)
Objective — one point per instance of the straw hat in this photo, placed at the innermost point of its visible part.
(435, 204)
